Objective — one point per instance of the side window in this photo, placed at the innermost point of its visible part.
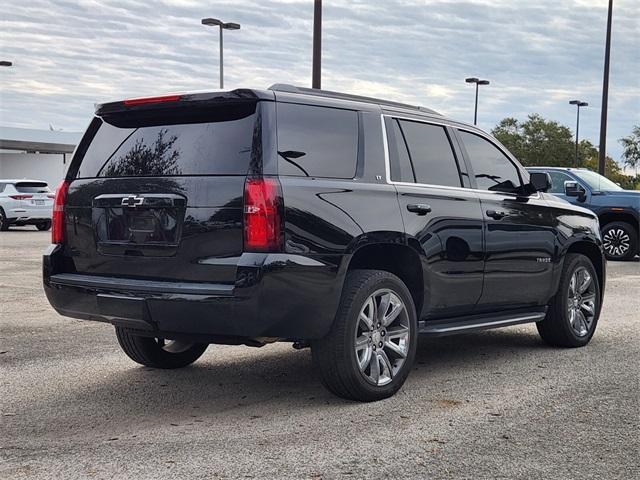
(557, 181)
(2, 187)
(401, 169)
(317, 141)
(492, 169)
(431, 154)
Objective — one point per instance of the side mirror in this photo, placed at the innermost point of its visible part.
(574, 189)
(540, 181)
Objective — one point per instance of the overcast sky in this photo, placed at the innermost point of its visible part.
(538, 55)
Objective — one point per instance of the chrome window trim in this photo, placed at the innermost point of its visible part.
(387, 164)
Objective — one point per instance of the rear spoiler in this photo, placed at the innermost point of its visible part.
(174, 100)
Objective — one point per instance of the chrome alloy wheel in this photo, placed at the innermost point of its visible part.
(173, 346)
(382, 337)
(581, 301)
(616, 242)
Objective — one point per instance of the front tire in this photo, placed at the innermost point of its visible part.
(157, 352)
(371, 346)
(573, 313)
(620, 241)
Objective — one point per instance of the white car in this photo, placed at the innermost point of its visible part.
(25, 202)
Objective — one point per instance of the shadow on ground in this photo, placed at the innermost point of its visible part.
(274, 378)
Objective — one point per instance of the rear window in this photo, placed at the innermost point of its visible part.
(214, 141)
(317, 141)
(32, 187)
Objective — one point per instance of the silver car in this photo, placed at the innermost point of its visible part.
(25, 202)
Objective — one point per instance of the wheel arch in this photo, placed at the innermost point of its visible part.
(396, 258)
(626, 217)
(595, 255)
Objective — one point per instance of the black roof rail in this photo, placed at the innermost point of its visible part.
(283, 87)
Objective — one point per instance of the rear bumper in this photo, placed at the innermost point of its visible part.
(275, 295)
(29, 215)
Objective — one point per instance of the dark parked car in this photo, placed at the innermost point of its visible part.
(618, 210)
(344, 223)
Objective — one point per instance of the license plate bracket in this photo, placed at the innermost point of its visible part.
(149, 225)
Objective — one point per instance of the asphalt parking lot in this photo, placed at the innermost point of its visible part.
(498, 404)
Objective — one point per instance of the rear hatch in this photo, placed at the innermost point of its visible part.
(157, 190)
(34, 196)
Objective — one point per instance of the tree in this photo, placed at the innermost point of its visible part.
(631, 152)
(142, 159)
(547, 143)
(537, 141)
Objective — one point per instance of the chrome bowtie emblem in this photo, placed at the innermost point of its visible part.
(132, 201)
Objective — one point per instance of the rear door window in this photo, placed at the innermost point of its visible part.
(493, 170)
(172, 146)
(317, 141)
(400, 163)
(432, 156)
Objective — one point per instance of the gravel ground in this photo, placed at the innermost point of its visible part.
(498, 404)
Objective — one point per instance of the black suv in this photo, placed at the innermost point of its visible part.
(346, 223)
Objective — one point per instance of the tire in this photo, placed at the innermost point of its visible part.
(337, 358)
(558, 329)
(620, 241)
(153, 352)
(44, 226)
(4, 221)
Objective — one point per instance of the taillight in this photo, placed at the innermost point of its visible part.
(20, 197)
(51, 195)
(262, 223)
(57, 220)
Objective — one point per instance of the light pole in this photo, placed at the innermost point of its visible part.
(213, 22)
(4, 63)
(478, 82)
(317, 45)
(578, 104)
(602, 150)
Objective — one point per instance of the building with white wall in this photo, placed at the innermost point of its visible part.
(36, 154)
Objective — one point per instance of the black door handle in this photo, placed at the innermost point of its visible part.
(496, 215)
(419, 208)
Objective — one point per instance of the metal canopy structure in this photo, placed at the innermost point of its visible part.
(42, 141)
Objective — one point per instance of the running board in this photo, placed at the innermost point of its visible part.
(440, 328)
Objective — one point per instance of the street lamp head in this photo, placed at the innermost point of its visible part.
(476, 81)
(5, 63)
(579, 103)
(212, 22)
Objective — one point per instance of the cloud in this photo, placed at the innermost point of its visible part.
(538, 55)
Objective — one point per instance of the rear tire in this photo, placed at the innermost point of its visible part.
(158, 353)
(370, 348)
(573, 313)
(620, 241)
(4, 221)
(44, 226)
